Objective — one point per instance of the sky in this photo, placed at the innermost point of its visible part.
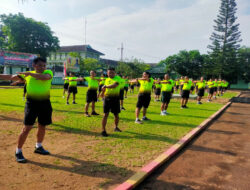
(150, 30)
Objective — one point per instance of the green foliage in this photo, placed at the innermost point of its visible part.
(244, 60)
(91, 64)
(27, 35)
(185, 63)
(225, 41)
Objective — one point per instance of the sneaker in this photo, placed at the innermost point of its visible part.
(20, 158)
(185, 106)
(199, 103)
(167, 113)
(145, 119)
(138, 121)
(74, 103)
(182, 107)
(122, 108)
(104, 134)
(87, 114)
(163, 113)
(67, 103)
(94, 113)
(117, 129)
(63, 96)
(41, 150)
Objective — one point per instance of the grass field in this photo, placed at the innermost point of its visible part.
(120, 152)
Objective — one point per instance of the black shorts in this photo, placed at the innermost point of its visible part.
(157, 91)
(185, 93)
(126, 88)
(177, 87)
(111, 104)
(91, 96)
(66, 86)
(165, 97)
(201, 92)
(215, 89)
(181, 86)
(143, 100)
(37, 109)
(210, 90)
(72, 89)
(100, 87)
(24, 89)
(219, 88)
(122, 94)
(192, 88)
(132, 87)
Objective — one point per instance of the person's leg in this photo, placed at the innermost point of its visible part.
(74, 97)
(116, 120)
(144, 112)
(93, 106)
(185, 101)
(104, 121)
(137, 112)
(162, 107)
(40, 133)
(23, 136)
(182, 102)
(121, 103)
(68, 97)
(87, 107)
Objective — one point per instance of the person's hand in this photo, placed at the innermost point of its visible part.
(104, 87)
(24, 73)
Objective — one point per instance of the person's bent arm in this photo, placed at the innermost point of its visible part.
(38, 76)
(111, 86)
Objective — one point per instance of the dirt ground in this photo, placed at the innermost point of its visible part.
(217, 159)
(67, 168)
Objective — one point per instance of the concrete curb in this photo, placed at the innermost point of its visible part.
(144, 172)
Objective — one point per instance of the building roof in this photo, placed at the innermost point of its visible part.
(110, 62)
(79, 48)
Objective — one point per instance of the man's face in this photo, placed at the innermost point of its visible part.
(145, 75)
(92, 73)
(111, 73)
(201, 78)
(166, 77)
(40, 67)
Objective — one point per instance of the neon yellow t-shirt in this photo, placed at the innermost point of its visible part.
(157, 85)
(66, 81)
(112, 92)
(219, 83)
(215, 84)
(126, 83)
(210, 84)
(186, 85)
(122, 83)
(102, 82)
(166, 87)
(72, 83)
(38, 89)
(201, 84)
(92, 83)
(146, 86)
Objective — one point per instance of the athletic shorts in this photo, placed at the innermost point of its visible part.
(37, 109)
(192, 88)
(111, 104)
(126, 88)
(215, 89)
(177, 87)
(210, 90)
(143, 100)
(172, 89)
(72, 89)
(66, 86)
(24, 89)
(165, 97)
(219, 88)
(201, 92)
(157, 91)
(122, 94)
(181, 86)
(100, 87)
(185, 93)
(132, 87)
(91, 96)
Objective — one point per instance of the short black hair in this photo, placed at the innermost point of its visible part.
(39, 59)
(149, 75)
(111, 69)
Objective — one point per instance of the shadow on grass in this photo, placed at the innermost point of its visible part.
(146, 136)
(6, 118)
(82, 167)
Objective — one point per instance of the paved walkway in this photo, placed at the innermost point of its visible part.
(217, 159)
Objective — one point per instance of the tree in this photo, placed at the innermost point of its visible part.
(244, 60)
(225, 41)
(91, 64)
(27, 35)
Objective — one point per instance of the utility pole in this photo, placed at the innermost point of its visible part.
(121, 51)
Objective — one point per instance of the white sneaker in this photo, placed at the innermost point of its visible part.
(163, 113)
(138, 121)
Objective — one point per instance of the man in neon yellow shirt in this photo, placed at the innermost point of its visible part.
(215, 88)
(66, 84)
(210, 85)
(37, 105)
(111, 93)
(126, 85)
(157, 89)
(166, 93)
(144, 96)
(177, 84)
(219, 87)
(186, 86)
(201, 85)
(91, 93)
(101, 83)
(181, 83)
(73, 87)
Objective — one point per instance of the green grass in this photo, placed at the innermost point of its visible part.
(132, 148)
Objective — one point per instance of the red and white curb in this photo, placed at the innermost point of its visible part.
(144, 172)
